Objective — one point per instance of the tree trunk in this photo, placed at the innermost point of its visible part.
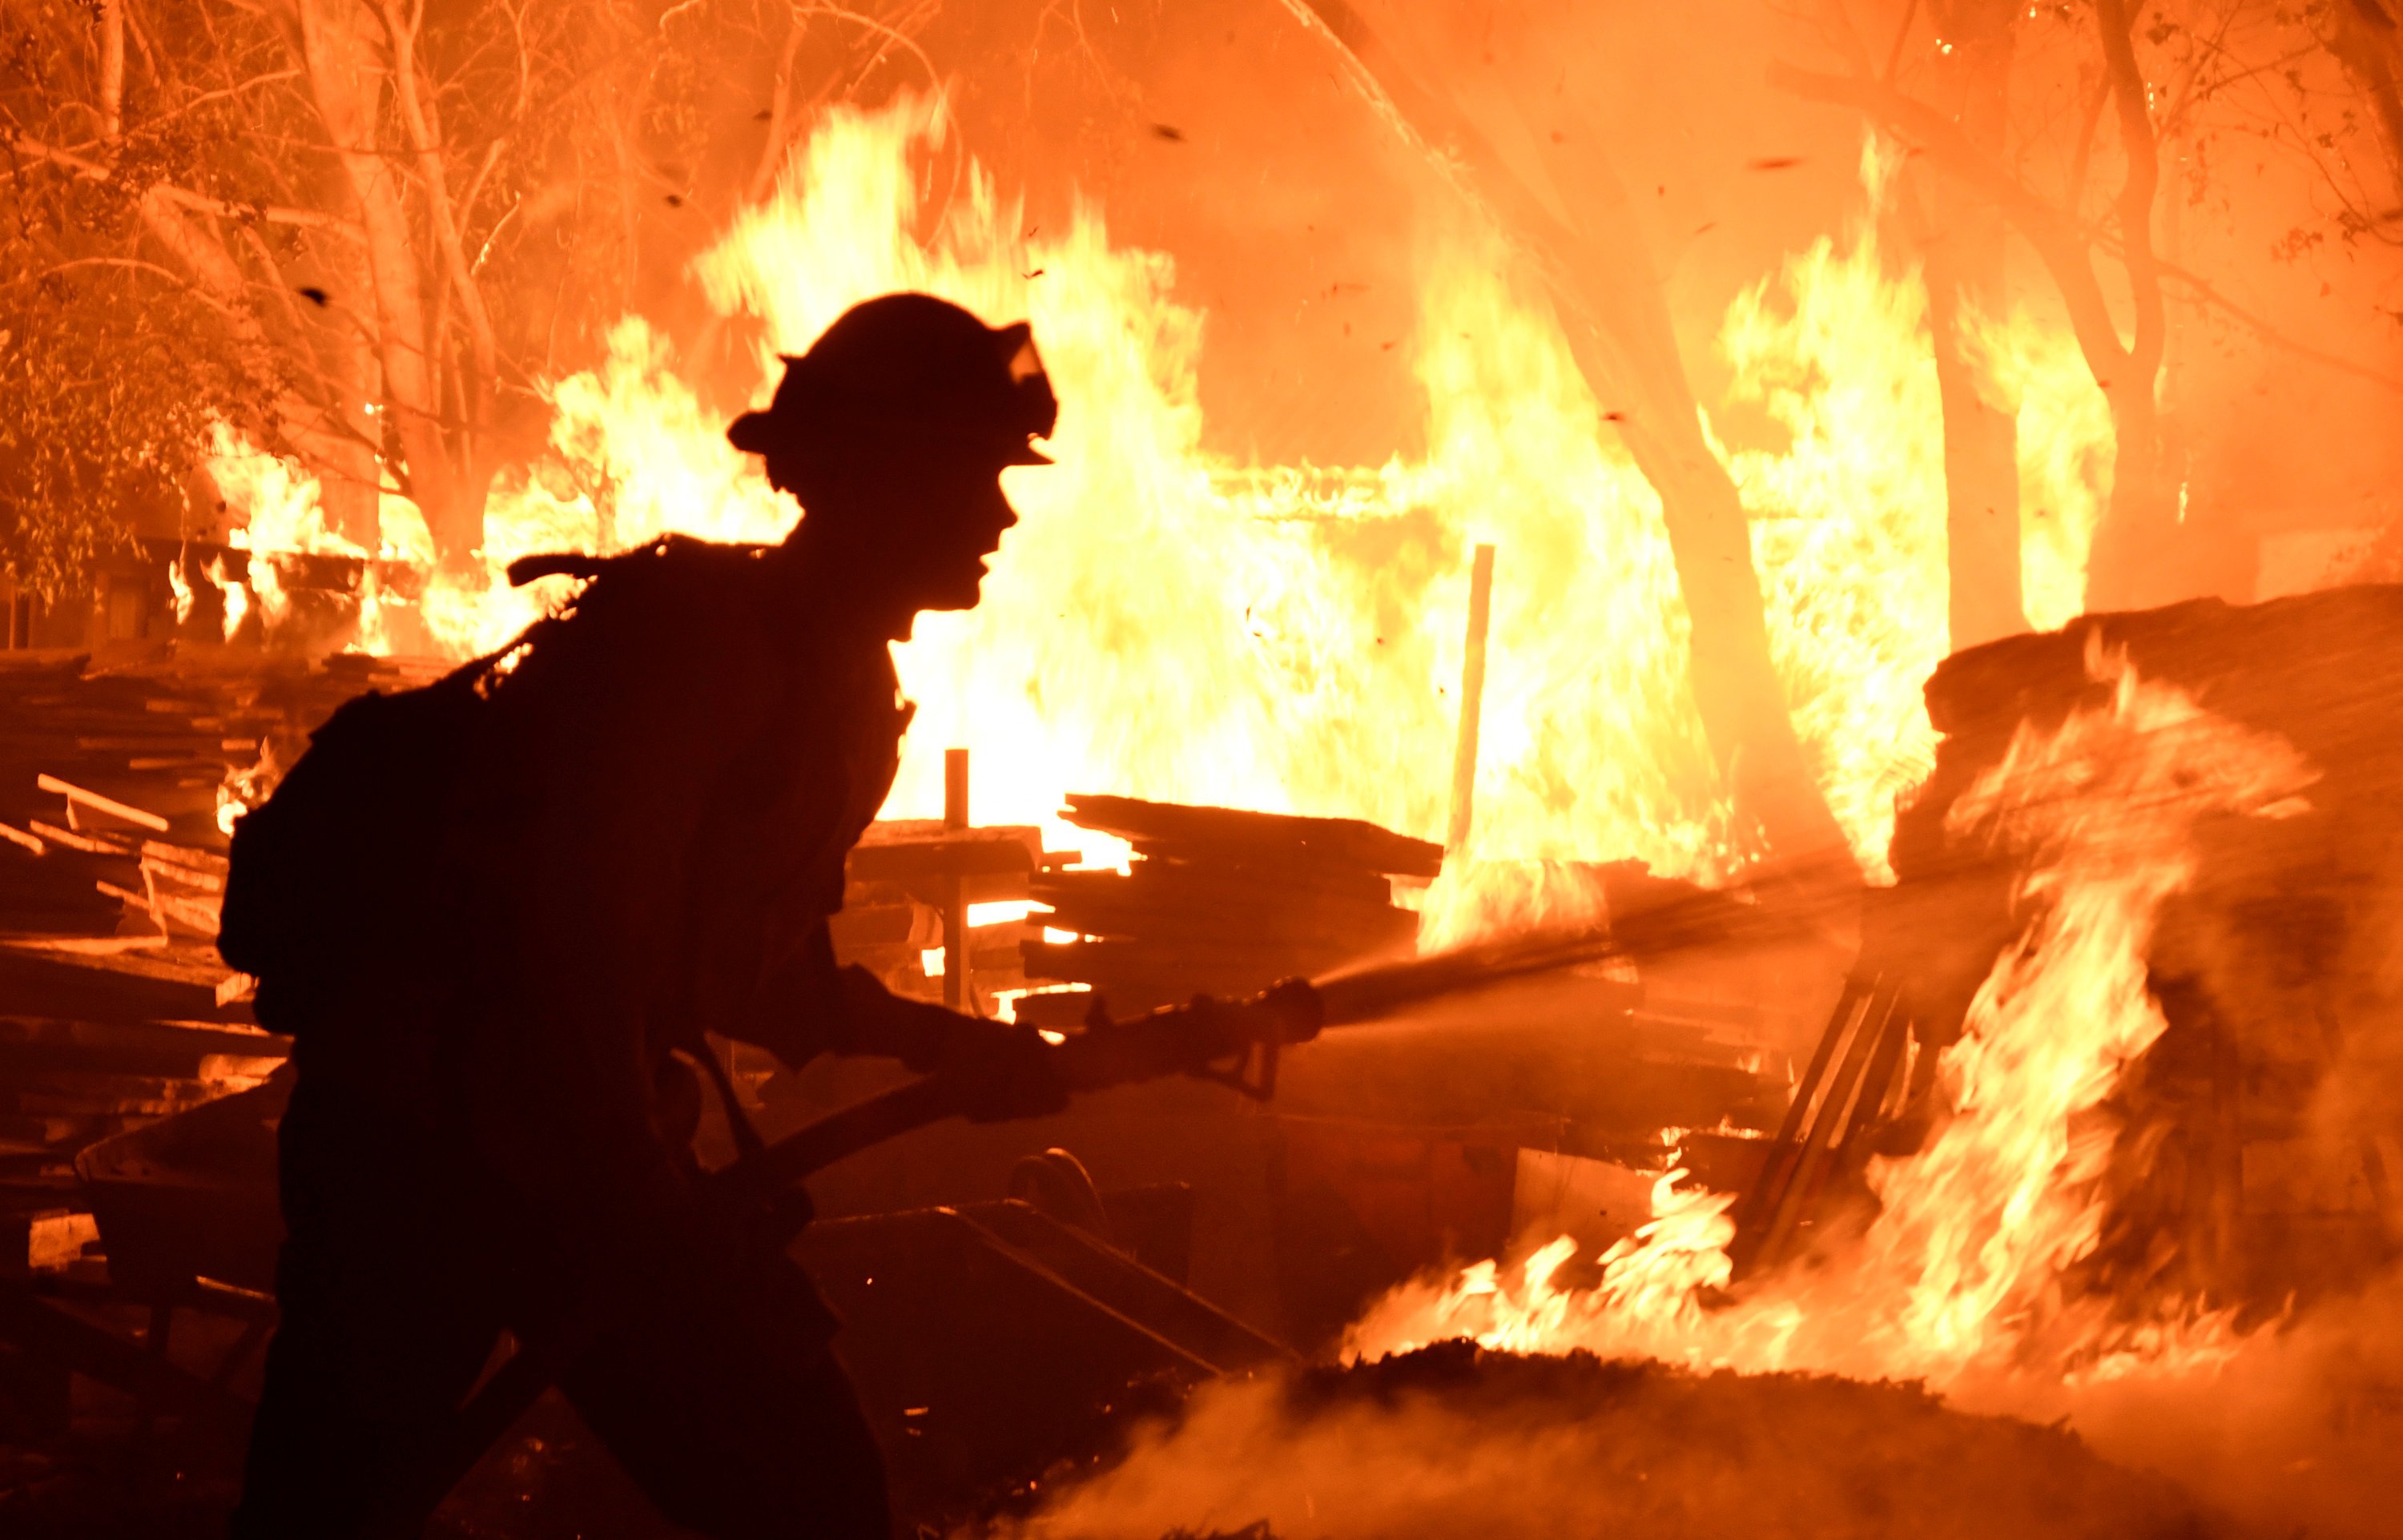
(1963, 255)
(355, 470)
(2130, 566)
(2362, 36)
(1593, 261)
(340, 39)
(1982, 475)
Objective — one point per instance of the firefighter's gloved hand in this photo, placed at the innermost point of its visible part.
(1006, 1071)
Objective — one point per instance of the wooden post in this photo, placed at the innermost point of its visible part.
(1472, 702)
(955, 906)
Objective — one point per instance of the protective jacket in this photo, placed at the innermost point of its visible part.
(648, 845)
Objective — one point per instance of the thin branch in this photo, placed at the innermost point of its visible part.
(2205, 297)
(1901, 35)
(475, 184)
(892, 35)
(2136, 192)
(780, 108)
(201, 99)
(132, 264)
(416, 115)
(268, 265)
(112, 69)
(91, 170)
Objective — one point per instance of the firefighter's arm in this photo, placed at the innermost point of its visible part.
(1010, 1071)
(817, 1006)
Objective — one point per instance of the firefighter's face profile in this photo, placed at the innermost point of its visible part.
(923, 517)
(964, 512)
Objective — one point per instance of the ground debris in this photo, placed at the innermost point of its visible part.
(1453, 1439)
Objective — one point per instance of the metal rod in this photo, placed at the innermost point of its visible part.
(955, 896)
(1472, 701)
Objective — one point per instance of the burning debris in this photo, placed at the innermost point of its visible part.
(1965, 1268)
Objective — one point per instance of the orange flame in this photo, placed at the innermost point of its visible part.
(1959, 1272)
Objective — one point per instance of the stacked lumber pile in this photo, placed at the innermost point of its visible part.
(899, 881)
(165, 736)
(114, 1009)
(1222, 901)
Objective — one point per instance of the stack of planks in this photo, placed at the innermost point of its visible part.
(163, 735)
(898, 883)
(1221, 901)
(114, 1009)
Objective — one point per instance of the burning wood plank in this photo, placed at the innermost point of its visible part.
(1223, 900)
(81, 796)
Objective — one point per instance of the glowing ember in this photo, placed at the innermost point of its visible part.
(1960, 1271)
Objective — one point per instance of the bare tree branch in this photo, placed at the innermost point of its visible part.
(93, 170)
(2056, 238)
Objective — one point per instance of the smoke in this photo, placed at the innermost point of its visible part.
(1450, 1441)
(2300, 1433)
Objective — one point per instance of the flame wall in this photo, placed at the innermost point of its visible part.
(1168, 622)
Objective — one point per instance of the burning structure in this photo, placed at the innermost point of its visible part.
(1776, 523)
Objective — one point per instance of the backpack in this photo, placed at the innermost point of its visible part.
(334, 870)
(332, 880)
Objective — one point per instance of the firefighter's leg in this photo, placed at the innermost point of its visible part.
(732, 1415)
(386, 1322)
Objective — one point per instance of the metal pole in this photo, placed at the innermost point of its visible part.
(955, 906)
(1472, 701)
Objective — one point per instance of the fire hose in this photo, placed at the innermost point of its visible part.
(1236, 1044)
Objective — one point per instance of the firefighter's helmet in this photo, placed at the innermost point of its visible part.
(915, 365)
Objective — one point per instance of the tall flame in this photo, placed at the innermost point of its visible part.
(1849, 529)
(1960, 1270)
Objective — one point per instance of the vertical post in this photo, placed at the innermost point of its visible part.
(1472, 702)
(956, 905)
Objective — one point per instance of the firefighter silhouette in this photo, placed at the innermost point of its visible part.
(498, 915)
